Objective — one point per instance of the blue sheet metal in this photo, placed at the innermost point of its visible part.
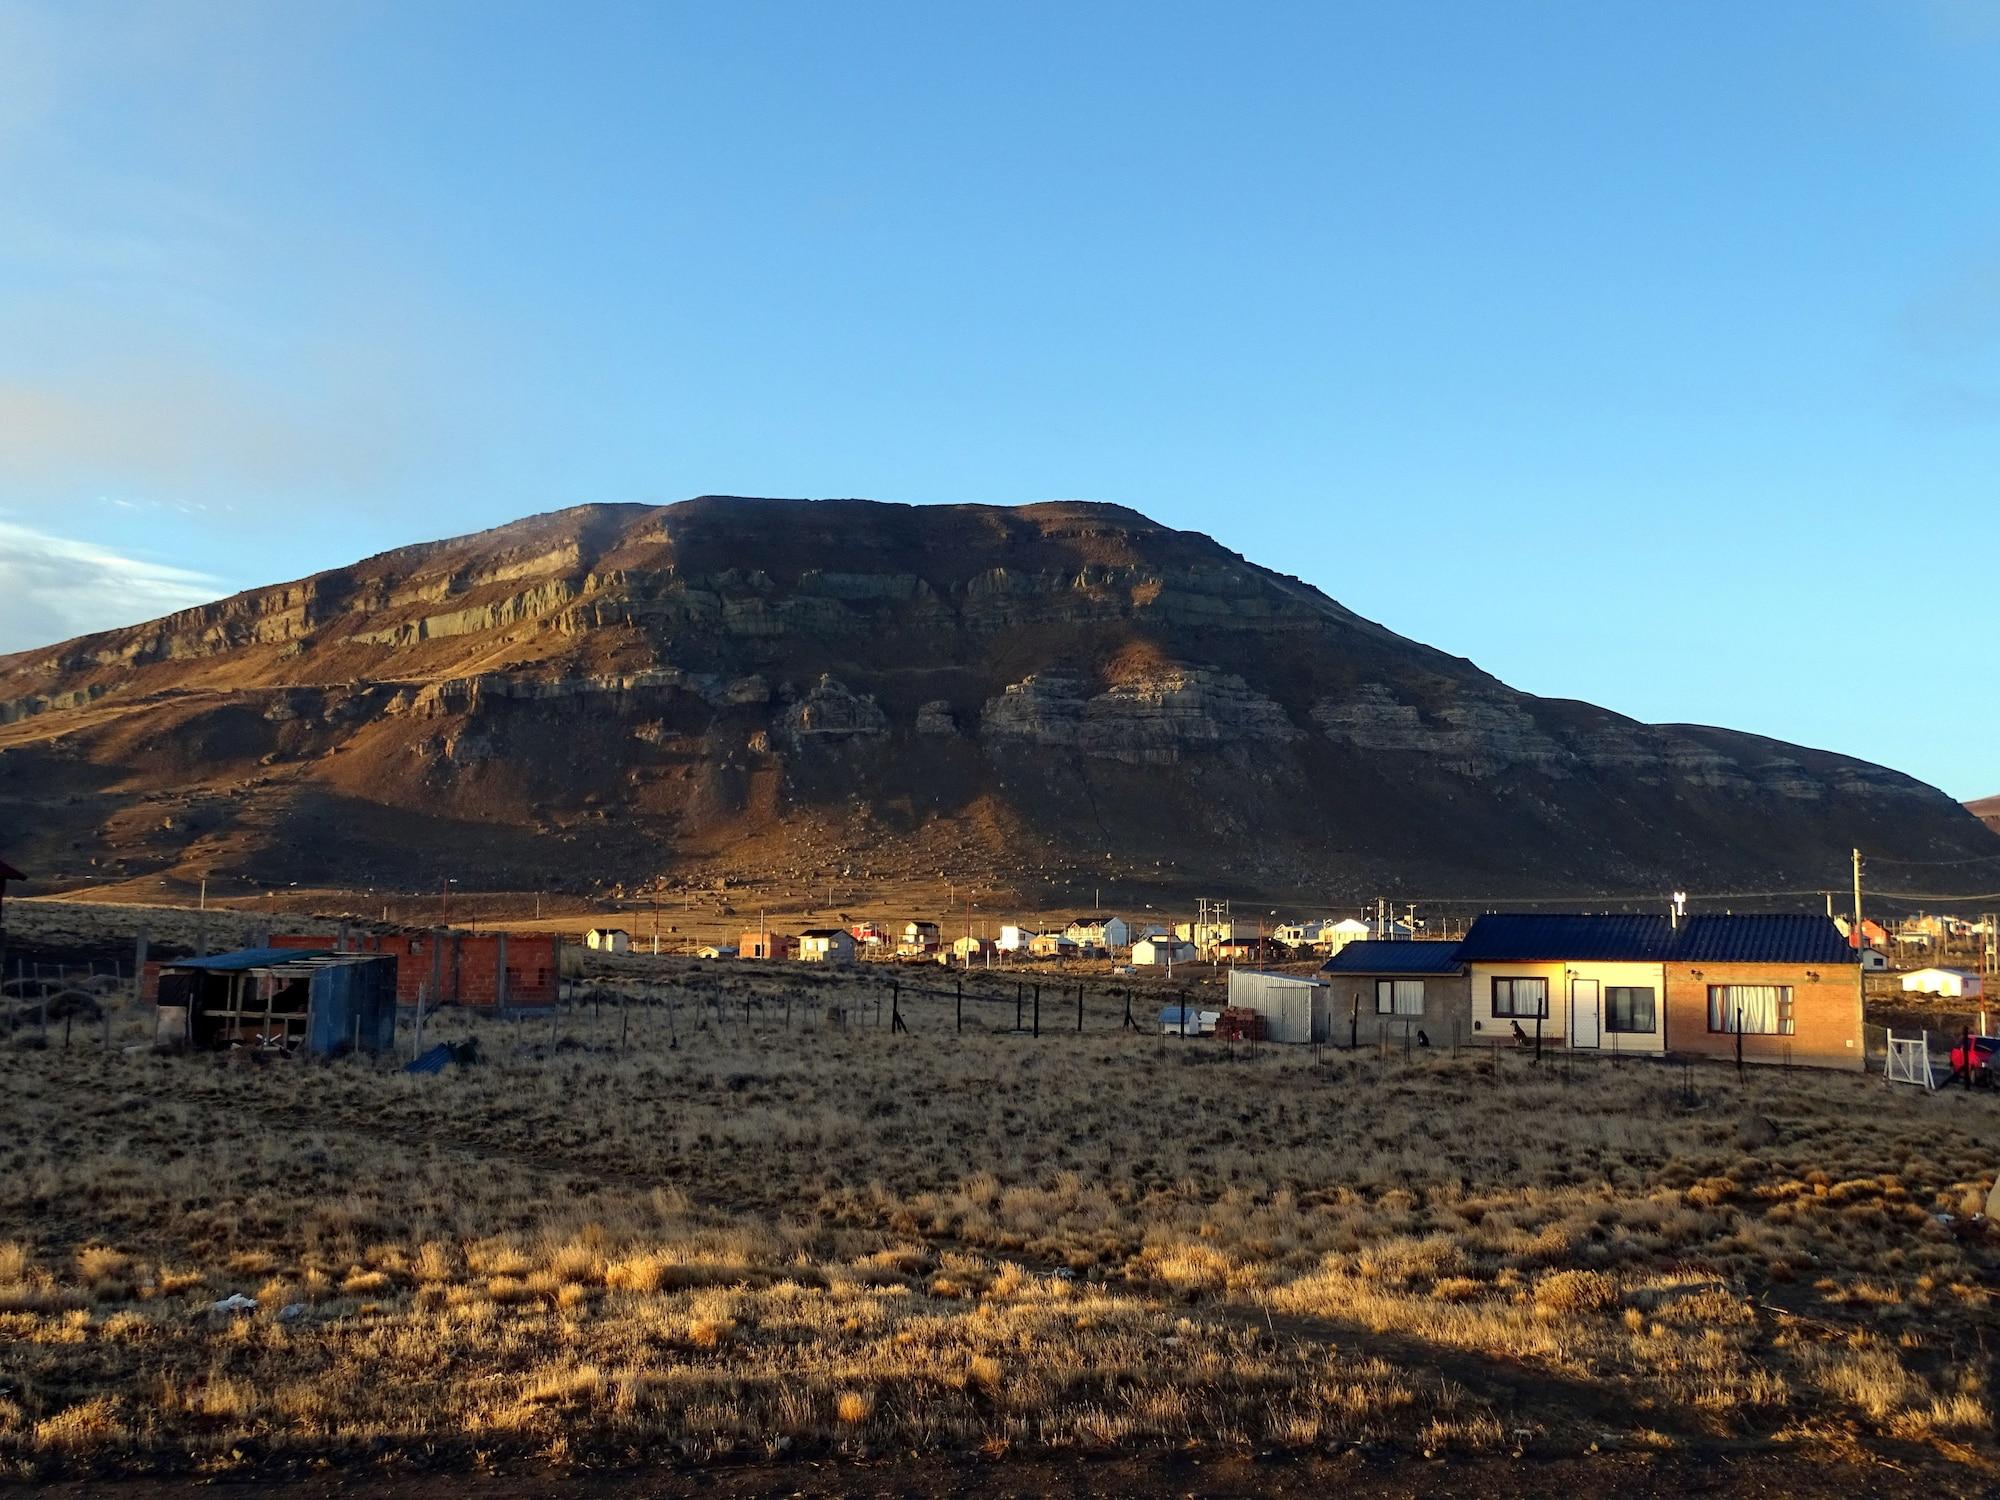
(1380, 956)
(432, 1061)
(245, 958)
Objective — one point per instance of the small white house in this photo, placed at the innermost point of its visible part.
(1874, 961)
(826, 945)
(1015, 938)
(1951, 984)
(608, 940)
(1161, 949)
(1299, 934)
(1110, 933)
(716, 950)
(1333, 936)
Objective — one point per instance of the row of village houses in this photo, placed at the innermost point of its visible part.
(1768, 988)
(1143, 944)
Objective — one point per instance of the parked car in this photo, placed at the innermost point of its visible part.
(1984, 1051)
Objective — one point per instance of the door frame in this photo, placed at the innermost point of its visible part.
(1597, 1002)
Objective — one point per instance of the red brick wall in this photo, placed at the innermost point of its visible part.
(754, 944)
(464, 965)
(1826, 1013)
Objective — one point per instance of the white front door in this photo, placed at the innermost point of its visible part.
(1585, 1018)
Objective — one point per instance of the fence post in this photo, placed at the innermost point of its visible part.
(1079, 1009)
(896, 1010)
(1739, 1044)
(1038, 1010)
(625, 1019)
(961, 1005)
(1018, 990)
(1183, 1015)
(139, 967)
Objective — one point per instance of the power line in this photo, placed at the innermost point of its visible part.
(1977, 859)
(1657, 896)
(1922, 896)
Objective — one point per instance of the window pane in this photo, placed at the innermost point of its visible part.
(1628, 1009)
(1754, 1009)
(1409, 997)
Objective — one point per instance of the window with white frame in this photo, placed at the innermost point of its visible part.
(1399, 997)
(1520, 997)
(1752, 1009)
(1630, 1008)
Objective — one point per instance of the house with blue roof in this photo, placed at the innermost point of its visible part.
(1399, 992)
(1767, 988)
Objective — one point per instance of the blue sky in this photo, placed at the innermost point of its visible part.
(1643, 353)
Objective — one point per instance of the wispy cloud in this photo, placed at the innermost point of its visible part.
(54, 587)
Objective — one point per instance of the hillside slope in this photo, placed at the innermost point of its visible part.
(1018, 696)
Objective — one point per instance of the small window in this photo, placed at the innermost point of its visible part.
(1629, 1009)
(1520, 997)
(1752, 1009)
(1399, 997)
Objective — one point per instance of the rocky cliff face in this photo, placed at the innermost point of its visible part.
(612, 691)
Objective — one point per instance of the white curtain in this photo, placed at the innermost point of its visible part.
(1752, 1007)
(1409, 998)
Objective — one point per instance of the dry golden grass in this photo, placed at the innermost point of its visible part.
(747, 1238)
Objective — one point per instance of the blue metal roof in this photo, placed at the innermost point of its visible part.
(1749, 938)
(1529, 937)
(247, 958)
(1780, 938)
(1377, 956)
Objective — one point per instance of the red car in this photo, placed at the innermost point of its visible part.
(1984, 1049)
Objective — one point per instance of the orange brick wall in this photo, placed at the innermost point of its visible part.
(457, 967)
(1826, 1013)
(753, 944)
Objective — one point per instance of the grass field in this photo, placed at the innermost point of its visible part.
(735, 1237)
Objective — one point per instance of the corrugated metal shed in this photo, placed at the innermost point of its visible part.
(322, 1003)
(1295, 1007)
(1522, 938)
(1755, 938)
(1375, 956)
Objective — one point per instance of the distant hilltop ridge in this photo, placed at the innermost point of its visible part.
(1987, 810)
(1020, 695)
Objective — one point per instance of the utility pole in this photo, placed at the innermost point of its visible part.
(656, 924)
(1856, 940)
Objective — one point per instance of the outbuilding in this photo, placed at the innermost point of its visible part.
(1951, 984)
(279, 1000)
(1294, 1006)
(608, 940)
